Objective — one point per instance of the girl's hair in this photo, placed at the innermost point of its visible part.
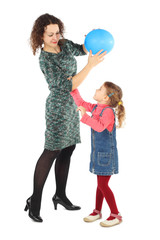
(38, 29)
(115, 94)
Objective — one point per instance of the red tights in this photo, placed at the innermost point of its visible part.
(103, 191)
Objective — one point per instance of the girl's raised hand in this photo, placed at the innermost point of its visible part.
(93, 60)
(82, 110)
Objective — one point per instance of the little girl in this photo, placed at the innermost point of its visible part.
(104, 156)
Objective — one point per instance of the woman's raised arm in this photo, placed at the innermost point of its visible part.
(93, 60)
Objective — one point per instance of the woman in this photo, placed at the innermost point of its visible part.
(59, 67)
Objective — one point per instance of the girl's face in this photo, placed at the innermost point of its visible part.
(100, 95)
(51, 36)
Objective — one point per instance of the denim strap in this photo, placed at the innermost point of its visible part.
(104, 109)
(94, 108)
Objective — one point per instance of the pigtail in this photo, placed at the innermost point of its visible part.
(120, 113)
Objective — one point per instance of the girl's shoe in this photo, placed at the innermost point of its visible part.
(110, 223)
(92, 218)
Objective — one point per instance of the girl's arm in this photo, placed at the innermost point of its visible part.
(80, 102)
(106, 121)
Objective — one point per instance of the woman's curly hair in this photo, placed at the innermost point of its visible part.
(38, 29)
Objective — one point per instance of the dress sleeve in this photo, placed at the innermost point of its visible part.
(76, 49)
(80, 102)
(56, 78)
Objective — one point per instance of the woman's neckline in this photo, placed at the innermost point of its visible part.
(61, 43)
(54, 53)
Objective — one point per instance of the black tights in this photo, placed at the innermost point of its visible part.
(42, 169)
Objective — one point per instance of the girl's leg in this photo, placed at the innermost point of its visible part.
(42, 169)
(108, 194)
(99, 200)
(61, 172)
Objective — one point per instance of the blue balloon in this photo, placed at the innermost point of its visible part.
(99, 39)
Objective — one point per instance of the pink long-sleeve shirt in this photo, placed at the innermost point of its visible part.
(96, 122)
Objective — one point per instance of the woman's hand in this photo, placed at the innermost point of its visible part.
(93, 60)
(84, 49)
(82, 110)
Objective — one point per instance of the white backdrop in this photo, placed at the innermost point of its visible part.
(133, 64)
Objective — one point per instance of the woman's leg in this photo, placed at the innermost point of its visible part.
(108, 194)
(61, 172)
(42, 169)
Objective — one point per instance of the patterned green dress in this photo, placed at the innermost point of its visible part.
(62, 120)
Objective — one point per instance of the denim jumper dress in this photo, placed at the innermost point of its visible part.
(104, 155)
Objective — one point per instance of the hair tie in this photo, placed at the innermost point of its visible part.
(111, 94)
(119, 103)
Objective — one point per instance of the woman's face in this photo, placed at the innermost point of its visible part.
(51, 36)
